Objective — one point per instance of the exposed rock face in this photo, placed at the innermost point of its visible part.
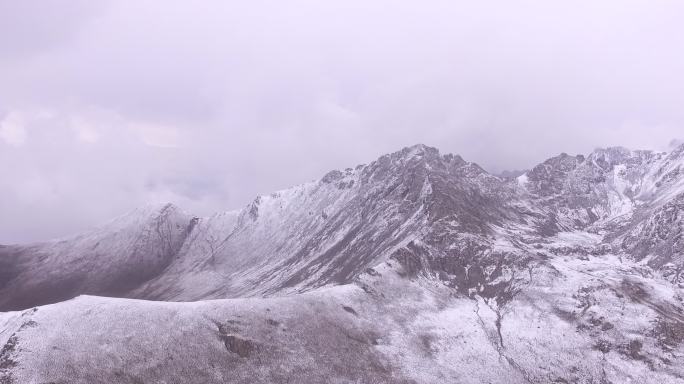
(658, 234)
(571, 272)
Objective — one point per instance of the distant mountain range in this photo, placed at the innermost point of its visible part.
(416, 268)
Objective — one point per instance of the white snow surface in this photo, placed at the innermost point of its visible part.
(416, 268)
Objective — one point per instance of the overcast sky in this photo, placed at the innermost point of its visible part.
(108, 105)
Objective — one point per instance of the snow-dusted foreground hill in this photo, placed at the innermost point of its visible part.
(416, 268)
(586, 321)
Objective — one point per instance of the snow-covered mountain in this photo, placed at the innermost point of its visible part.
(416, 268)
(110, 260)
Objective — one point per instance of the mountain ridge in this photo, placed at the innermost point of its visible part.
(425, 264)
(569, 192)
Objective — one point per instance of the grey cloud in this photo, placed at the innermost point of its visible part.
(210, 104)
(33, 26)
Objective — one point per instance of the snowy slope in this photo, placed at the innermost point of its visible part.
(109, 260)
(615, 327)
(323, 232)
(418, 268)
(330, 230)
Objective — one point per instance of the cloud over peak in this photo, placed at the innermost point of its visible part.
(211, 104)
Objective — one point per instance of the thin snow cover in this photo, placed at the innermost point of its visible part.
(576, 238)
(415, 268)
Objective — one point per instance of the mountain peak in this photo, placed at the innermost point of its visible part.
(471, 256)
(414, 152)
(145, 212)
(425, 154)
(419, 149)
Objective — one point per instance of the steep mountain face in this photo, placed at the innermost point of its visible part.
(110, 260)
(584, 191)
(633, 198)
(331, 230)
(416, 268)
